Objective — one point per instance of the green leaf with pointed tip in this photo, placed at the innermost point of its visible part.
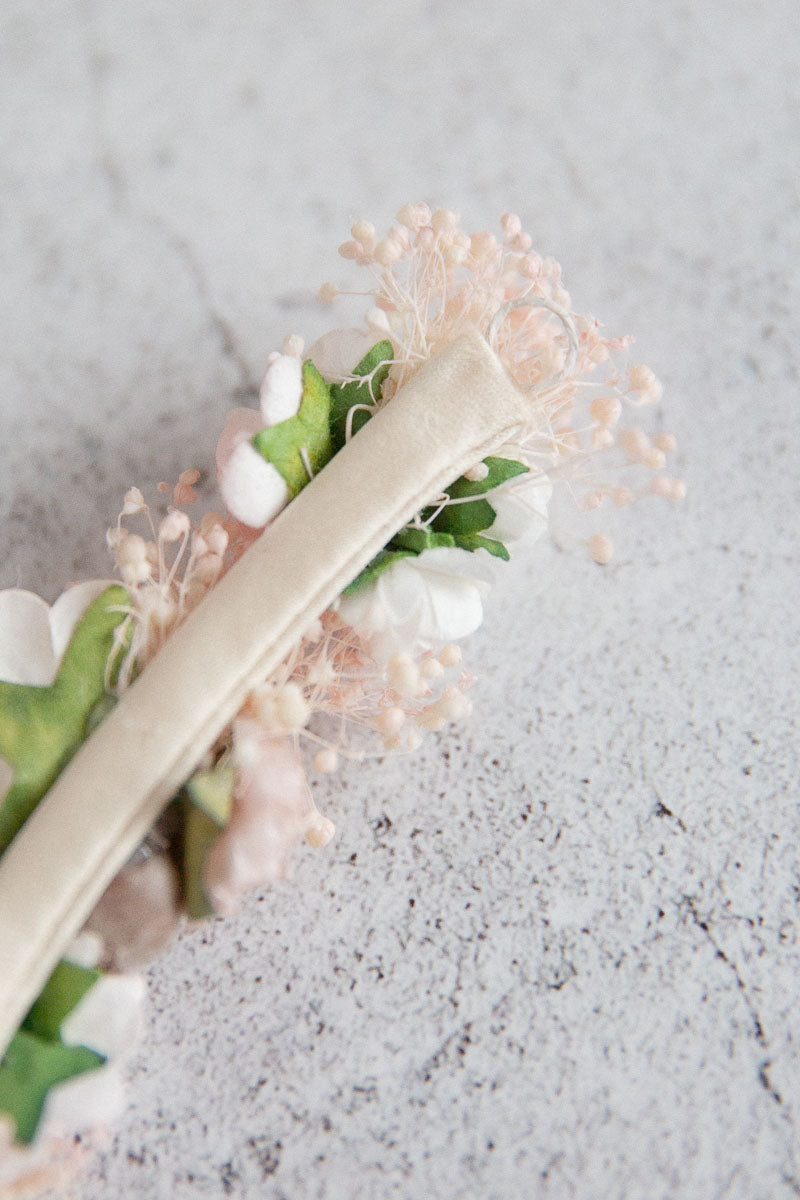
(500, 471)
(309, 430)
(382, 560)
(465, 519)
(42, 727)
(207, 807)
(212, 792)
(372, 370)
(474, 541)
(65, 988)
(30, 1068)
(418, 540)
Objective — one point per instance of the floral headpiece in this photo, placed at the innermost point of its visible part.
(371, 500)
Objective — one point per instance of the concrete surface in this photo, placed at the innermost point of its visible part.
(556, 954)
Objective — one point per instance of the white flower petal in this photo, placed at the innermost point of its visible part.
(26, 647)
(452, 560)
(521, 509)
(109, 1020)
(253, 489)
(70, 607)
(109, 1017)
(282, 389)
(93, 1099)
(419, 603)
(336, 353)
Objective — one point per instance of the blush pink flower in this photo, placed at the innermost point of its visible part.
(273, 811)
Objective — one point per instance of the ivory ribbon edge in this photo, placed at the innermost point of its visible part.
(468, 361)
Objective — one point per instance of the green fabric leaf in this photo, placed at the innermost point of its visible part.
(462, 520)
(42, 727)
(500, 470)
(418, 540)
(362, 391)
(382, 560)
(63, 991)
(308, 430)
(474, 541)
(30, 1068)
(207, 807)
(37, 1059)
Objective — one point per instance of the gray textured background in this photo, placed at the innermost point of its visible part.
(555, 954)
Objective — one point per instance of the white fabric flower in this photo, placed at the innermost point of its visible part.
(420, 603)
(253, 489)
(34, 636)
(521, 509)
(336, 353)
(108, 1020)
(282, 388)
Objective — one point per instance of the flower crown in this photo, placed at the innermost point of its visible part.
(371, 673)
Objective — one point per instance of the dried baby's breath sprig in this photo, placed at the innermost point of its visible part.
(431, 280)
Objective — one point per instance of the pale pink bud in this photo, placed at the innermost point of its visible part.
(431, 668)
(669, 488)
(388, 252)
(634, 442)
(134, 501)
(320, 832)
(363, 232)
(444, 221)
(654, 459)
(641, 378)
(530, 266)
(217, 539)
(482, 244)
(390, 721)
(174, 526)
(133, 548)
(606, 410)
(207, 568)
(455, 255)
(602, 438)
(403, 675)
(601, 548)
(450, 655)
(477, 473)
(325, 761)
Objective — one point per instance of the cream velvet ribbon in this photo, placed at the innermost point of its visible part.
(459, 407)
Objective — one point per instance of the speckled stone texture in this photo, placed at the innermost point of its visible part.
(556, 953)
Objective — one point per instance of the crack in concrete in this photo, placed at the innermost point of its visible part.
(248, 386)
(758, 1027)
(115, 175)
(760, 1036)
(663, 811)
